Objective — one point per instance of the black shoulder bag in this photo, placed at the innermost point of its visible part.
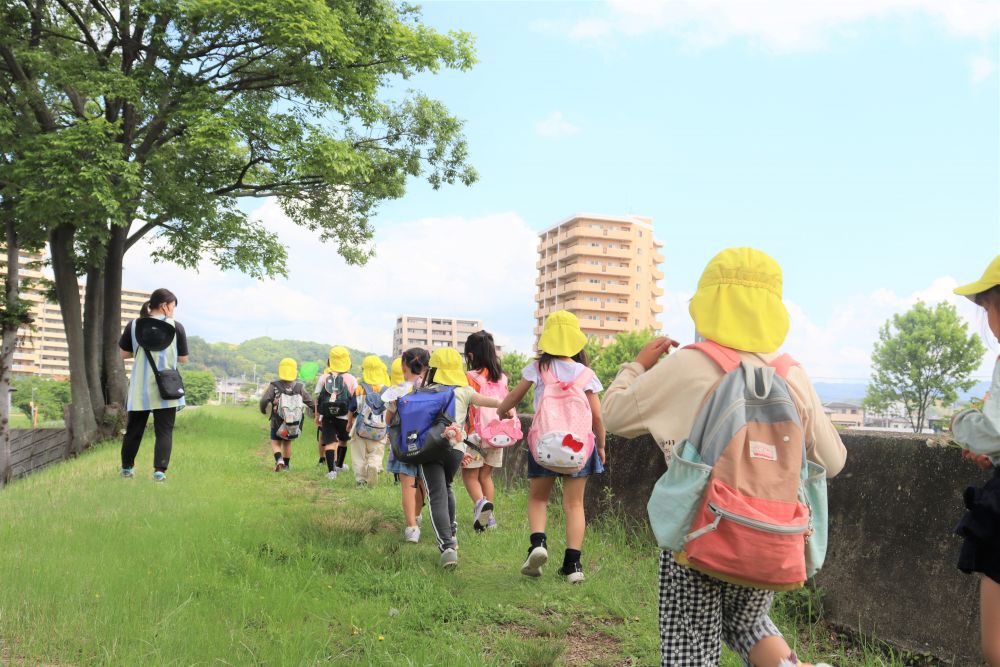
(168, 381)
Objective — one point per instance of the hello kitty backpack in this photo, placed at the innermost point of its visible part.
(490, 429)
(561, 437)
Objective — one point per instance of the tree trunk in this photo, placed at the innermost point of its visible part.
(83, 425)
(116, 383)
(92, 338)
(11, 293)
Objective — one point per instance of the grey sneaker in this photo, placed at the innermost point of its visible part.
(411, 534)
(449, 558)
(537, 557)
(483, 512)
(331, 475)
(159, 476)
(127, 473)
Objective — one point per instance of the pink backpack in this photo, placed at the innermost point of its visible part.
(492, 431)
(561, 437)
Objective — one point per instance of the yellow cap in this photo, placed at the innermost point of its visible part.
(738, 302)
(396, 373)
(448, 363)
(373, 371)
(991, 278)
(288, 369)
(561, 335)
(340, 359)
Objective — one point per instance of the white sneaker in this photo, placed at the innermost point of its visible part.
(343, 468)
(537, 557)
(332, 474)
(411, 534)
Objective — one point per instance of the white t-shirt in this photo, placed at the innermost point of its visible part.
(565, 371)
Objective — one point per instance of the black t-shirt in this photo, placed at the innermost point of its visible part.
(125, 342)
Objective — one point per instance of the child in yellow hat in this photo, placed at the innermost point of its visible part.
(561, 353)
(737, 308)
(368, 412)
(335, 386)
(412, 366)
(287, 384)
(978, 431)
(445, 367)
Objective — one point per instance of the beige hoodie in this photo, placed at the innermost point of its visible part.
(664, 401)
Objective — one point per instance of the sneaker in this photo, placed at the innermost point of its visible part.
(573, 572)
(343, 468)
(331, 475)
(483, 512)
(279, 466)
(449, 558)
(159, 476)
(537, 557)
(492, 523)
(478, 527)
(361, 483)
(411, 534)
(127, 473)
(321, 461)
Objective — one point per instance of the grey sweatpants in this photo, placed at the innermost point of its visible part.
(437, 477)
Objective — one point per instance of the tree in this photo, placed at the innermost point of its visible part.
(922, 356)
(199, 387)
(512, 364)
(153, 119)
(49, 396)
(621, 350)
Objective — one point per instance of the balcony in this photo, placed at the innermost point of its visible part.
(655, 307)
(656, 273)
(657, 290)
(658, 257)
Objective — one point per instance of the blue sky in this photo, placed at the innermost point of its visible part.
(859, 144)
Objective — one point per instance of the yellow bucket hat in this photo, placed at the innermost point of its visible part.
(991, 278)
(448, 363)
(738, 302)
(396, 372)
(340, 359)
(373, 371)
(561, 335)
(288, 369)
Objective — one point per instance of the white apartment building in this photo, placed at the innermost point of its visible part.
(432, 332)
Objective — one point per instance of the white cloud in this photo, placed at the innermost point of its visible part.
(782, 25)
(481, 268)
(554, 126)
(981, 68)
(840, 347)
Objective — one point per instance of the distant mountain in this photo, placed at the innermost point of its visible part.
(229, 360)
(845, 391)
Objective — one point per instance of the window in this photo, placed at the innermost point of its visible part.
(594, 244)
(640, 233)
(594, 281)
(594, 298)
(593, 262)
(638, 269)
(638, 251)
(637, 287)
(637, 323)
(596, 226)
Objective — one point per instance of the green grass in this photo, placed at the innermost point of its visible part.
(229, 563)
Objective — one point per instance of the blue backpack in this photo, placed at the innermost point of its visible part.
(417, 430)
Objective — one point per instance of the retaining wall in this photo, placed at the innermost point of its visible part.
(31, 449)
(890, 569)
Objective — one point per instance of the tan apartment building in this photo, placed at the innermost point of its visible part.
(605, 270)
(432, 332)
(42, 350)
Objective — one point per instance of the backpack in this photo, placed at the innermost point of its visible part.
(334, 399)
(371, 415)
(739, 501)
(290, 409)
(416, 433)
(492, 431)
(561, 437)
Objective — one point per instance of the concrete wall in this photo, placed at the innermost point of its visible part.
(890, 569)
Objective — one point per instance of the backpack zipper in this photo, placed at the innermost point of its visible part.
(756, 524)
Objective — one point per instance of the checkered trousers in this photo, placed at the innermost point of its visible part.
(698, 613)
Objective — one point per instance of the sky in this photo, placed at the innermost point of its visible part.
(857, 142)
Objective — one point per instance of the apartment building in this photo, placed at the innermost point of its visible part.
(432, 332)
(605, 270)
(42, 350)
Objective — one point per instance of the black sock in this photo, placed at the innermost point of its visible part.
(277, 456)
(537, 540)
(331, 459)
(341, 455)
(288, 461)
(572, 556)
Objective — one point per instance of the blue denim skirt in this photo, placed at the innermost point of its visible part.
(593, 466)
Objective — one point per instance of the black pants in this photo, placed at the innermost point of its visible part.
(163, 425)
(437, 479)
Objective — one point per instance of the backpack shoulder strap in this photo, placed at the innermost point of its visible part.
(783, 364)
(583, 378)
(724, 357)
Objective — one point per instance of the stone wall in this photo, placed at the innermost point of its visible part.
(890, 566)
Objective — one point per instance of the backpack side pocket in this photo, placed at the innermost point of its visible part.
(675, 499)
(814, 496)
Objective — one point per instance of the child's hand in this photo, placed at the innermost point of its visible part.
(980, 460)
(454, 434)
(504, 415)
(600, 453)
(654, 349)
(467, 459)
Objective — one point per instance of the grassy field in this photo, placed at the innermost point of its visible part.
(229, 563)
